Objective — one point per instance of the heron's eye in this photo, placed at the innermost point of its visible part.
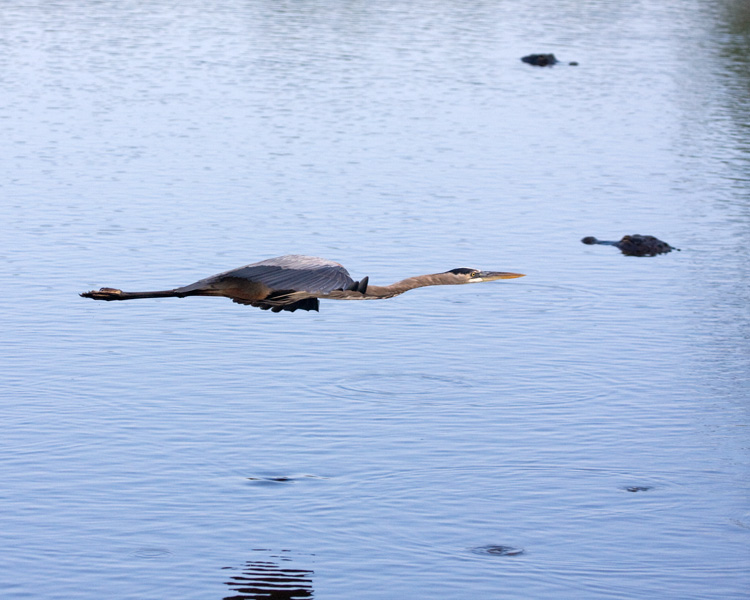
(474, 274)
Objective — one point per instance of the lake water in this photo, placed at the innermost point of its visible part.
(578, 433)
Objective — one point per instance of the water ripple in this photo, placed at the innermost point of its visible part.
(572, 482)
(151, 553)
(497, 550)
(393, 385)
(270, 579)
(541, 298)
(280, 479)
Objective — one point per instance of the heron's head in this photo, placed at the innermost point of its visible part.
(464, 275)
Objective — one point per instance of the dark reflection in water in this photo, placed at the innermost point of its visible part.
(270, 580)
(274, 479)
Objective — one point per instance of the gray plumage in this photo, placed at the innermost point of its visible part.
(293, 271)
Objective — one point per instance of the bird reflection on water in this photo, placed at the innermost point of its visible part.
(267, 580)
(295, 282)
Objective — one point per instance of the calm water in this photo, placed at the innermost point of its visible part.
(581, 432)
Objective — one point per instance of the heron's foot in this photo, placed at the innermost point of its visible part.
(104, 294)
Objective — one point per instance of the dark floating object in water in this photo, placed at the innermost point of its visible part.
(636, 245)
(494, 550)
(540, 60)
(544, 60)
(637, 488)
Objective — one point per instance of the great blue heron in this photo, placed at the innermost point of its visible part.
(297, 282)
(636, 245)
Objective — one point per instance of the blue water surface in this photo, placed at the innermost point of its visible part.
(578, 433)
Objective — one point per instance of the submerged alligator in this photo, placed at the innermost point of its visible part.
(544, 60)
(636, 245)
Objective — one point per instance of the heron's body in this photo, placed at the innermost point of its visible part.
(295, 282)
(636, 245)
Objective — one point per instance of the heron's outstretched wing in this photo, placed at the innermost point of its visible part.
(283, 303)
(319, 279)
(289, 283)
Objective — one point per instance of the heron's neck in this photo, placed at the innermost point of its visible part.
(410, 283)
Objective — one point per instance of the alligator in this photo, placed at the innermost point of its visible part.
(544, 60)
(636, 245)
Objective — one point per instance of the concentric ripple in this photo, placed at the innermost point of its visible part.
(497, 550)
(393, 385)
(543, 298)
(151, 553)
(637, 488)
(280, 479)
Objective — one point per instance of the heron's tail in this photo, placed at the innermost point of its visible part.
(358, 286)
(115, 294)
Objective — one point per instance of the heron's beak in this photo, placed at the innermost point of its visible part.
(493, 275)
